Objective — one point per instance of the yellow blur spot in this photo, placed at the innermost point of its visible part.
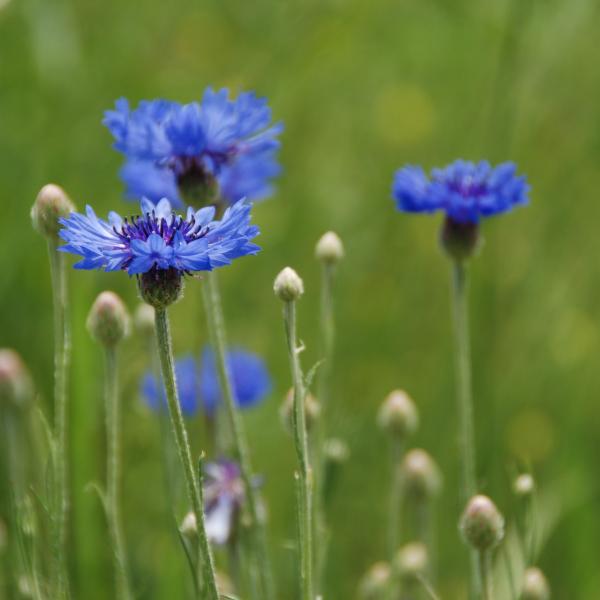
(531, 436)
(404, 114)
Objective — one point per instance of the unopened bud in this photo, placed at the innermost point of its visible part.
(336, 451)
(288, 286)
(374, 585)
(329, 248)
(108, 321)
(411, 561)
(51, 204)
(460, 240)
(16, 388)
(312, 410)
(481, 523)
(188, 527)
(143, 319)
(421, 477)
(398, 415)
(535, 585)
(524, 485)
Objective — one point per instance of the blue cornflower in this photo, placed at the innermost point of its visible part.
(464, 190)
(186, 373)
(160, 239)
(249, 377)
(175, 150)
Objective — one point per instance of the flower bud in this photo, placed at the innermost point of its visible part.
(312, 410)
(411, 561)
(398, 415)
(16, 388)
(51, 204)
(535, 585)
(421, 478)
(161, 287)
(143, 319)
(524, 485)
(108, 321)
(188, 527)
(374, 584)
(481, 523)
(288, 286)
(329, 249)
(460, 241)
(336, 451)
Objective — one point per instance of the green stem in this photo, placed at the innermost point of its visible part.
(165, 352)
(395, 499)
(321, 426)
(485, 574)
(465, 398)
(216, 326)
(62, 351)
(113, 474)
(305, 508)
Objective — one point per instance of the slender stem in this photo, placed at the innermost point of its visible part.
(62, 351)
(463, 371)
(113, 474)
(465, 399)
(305, 508)
(216, 326)
(165, 351)
(485, 574)
(395, 499)
(321, 426)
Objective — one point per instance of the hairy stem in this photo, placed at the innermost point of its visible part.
(216, 325)
(62, 351)
(304, 475)
(113, 474)
(165, 352)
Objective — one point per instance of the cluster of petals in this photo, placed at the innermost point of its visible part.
(160, 238)
(230, 140)
(464, 190)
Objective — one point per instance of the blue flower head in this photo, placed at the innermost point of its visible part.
(464, 190)
(186, 373)
(249, 374)
(174, 150)
(159, 239)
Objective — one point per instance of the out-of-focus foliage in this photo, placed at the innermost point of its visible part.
(363, 87)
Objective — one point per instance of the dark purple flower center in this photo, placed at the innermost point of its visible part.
(469, 187)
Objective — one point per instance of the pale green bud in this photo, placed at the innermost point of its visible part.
(398, 415)
(16, 388)
(524, 485)
(188, 527)
(288, 286)
(421, 477)
(535, 585)
(329, 249)
(143, 319)
(374, 585)
(411, 562)
(482, 524)
(51, 204)
(108, 321)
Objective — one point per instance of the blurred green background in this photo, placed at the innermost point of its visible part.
(363, 87)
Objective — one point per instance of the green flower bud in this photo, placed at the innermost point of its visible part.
(188, 527)
(535, 585)
(143, 319)
(51, 204)
(312, 410)
(524, 485)
(16, 388)
(420, 475)
(374, 585)
(336, 451)
(288, 286)
(481, 524)
(398, 415)
(161, 287)
(329, 249)
(108, 321)
(411, 561)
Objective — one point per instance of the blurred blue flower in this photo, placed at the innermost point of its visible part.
(464, 190)
(186, 373)
(171, 147)
(223, 498)
(250, 378)
(160, 238)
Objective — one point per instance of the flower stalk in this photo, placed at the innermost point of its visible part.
(288, 287)
(216, 326)
(165, 351)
